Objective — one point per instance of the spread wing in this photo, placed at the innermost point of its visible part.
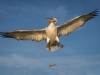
(75, 23)
(34, 35)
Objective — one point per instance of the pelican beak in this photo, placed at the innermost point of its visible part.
(50, 20)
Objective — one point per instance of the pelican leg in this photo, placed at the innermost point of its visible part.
(48, 46)
(61, 46)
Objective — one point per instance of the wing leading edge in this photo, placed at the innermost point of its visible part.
(75, 23)
(34, 35)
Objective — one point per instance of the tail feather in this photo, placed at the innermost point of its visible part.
(54, 46)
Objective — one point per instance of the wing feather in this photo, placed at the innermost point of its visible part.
(75, 23)
(34, 35)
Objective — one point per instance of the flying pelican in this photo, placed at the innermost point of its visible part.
(51, 33)
(51, 65)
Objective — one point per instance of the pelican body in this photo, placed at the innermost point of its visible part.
(52, 32)
(52, 36)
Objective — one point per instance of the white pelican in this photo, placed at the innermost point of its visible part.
(51, 33)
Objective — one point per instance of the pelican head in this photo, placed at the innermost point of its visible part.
(50, 20)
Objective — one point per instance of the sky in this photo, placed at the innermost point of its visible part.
(81, 54)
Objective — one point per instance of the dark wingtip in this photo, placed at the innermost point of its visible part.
(95, 12)
(1, 34)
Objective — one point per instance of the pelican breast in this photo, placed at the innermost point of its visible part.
(51, 32)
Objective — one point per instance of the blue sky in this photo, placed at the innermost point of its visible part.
(81, 55)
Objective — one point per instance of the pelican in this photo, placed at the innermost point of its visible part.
(52, 32)
(51, 65)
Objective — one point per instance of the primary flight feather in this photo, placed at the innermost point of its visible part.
(51, 33)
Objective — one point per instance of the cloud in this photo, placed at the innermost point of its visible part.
(15, 60)
(50, 11)
(65, 65)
